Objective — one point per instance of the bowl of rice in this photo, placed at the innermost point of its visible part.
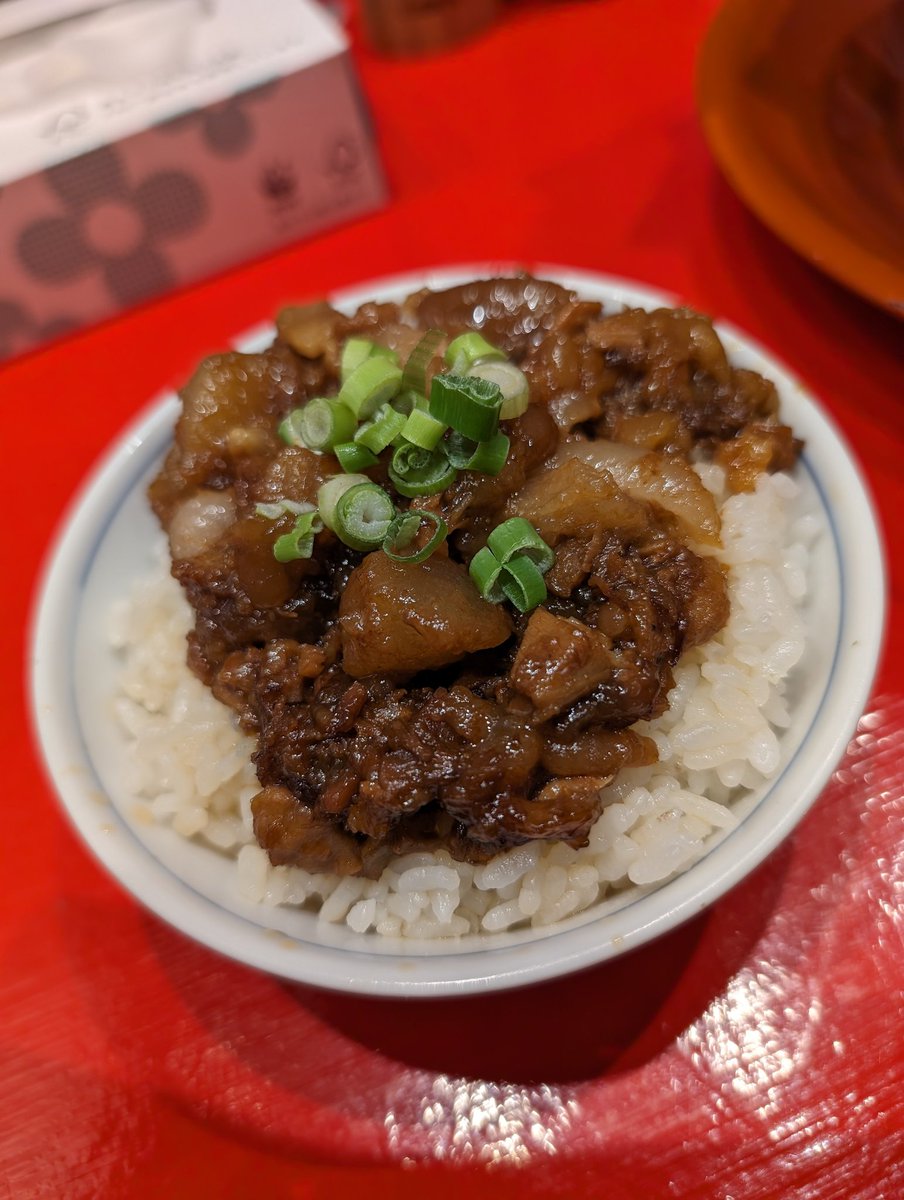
(158, 779)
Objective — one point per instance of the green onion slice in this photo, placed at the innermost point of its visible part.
(406, 402)
(386, 426)
(300, 542)
(356, 350)
(488, 457)
(279, 508)
(469, 348)
(330, 492)
(459, 450)
(414, 377)
(363, 515)
(321, 424)
(512, 383)
(517, 538)
(354, 457)
(512, 565)
(423, 430)
(403, 531)
(470, 406)
(375, 382)
(485, 569)
(415, 471)
(522, 582)
(289, 430)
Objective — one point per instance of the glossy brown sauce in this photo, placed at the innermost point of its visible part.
(394, 708)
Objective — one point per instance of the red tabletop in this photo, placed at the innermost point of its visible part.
(758, 1051)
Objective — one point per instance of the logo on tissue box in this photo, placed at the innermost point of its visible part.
(279, 183)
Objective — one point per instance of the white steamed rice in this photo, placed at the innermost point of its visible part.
(192, 770)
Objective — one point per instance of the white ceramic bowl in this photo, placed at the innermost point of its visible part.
(104, 546)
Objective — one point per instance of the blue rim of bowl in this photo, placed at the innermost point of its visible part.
(70, 564)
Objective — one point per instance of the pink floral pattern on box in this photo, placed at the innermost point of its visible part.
(111, 227)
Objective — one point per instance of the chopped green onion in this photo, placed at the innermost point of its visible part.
(300, 542)
(459, 450)
(279, 508)
(358, 350)
(488, 457)
(403, 529)
(363, 515)
(354, 352)
(354, 457)
(469, 405)
(321, 423)
(517, 538)
(522, 582)
(386, 426)
(288, 428)
(512, 565)
(375, 382)
(415, 471)
(406, 402)
(469, 348)
(485, 569)
(330, 492)
(414, 377)
(402, 532)
(423, 430)
(512, 383)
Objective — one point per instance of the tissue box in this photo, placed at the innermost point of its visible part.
(139, 157)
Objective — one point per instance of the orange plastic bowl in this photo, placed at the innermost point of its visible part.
(802, 102)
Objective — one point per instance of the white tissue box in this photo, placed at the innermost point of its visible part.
(153, 142)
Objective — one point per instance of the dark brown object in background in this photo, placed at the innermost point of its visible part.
(403, 27)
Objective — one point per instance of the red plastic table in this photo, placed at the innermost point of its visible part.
(758, 1051)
